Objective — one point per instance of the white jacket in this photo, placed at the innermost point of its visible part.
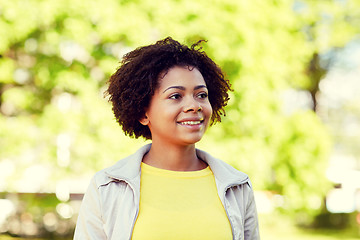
(111, 203)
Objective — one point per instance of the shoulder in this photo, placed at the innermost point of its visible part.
(101, 178)
(127, 169)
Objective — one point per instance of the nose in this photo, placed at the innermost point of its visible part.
(192, 106)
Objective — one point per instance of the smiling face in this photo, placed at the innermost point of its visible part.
(179, 111)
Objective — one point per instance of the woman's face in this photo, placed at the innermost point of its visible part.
(179, 111)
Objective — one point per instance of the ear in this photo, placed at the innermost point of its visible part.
(144, 120)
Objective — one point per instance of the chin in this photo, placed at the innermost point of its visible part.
(192, 140)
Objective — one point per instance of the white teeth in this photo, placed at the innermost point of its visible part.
(190, 123)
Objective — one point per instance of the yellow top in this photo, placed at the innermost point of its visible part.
(180, 205)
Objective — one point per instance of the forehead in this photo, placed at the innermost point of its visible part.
(181, 75)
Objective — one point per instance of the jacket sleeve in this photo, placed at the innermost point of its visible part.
(90, 224)
(251, 226)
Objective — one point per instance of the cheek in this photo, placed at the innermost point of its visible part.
(209, 110)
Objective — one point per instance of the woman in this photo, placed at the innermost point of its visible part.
(168, 93)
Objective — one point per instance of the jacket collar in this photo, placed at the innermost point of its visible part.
(223, 172)
(128, 169)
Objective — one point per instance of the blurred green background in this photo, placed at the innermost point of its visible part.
(292, 122)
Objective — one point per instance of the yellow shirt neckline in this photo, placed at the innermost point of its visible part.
(175, 174)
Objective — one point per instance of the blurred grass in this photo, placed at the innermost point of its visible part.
(278, 227)
(275, 227)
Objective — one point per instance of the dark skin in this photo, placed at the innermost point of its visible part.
(176, 159)
(134, 83)
(178, 116)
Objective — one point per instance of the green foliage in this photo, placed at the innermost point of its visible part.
(57, 56)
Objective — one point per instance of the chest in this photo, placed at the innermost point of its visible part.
(180, 208)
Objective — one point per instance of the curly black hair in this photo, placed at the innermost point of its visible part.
(135, 81)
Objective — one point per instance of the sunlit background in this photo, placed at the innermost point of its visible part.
(292, 124)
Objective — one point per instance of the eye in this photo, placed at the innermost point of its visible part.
(202, 95)
(175, 96)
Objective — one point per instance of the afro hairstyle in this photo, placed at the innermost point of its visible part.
(133, 84)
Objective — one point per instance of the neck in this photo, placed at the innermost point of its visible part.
(173, 157)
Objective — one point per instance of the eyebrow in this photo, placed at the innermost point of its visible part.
(183, 88)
